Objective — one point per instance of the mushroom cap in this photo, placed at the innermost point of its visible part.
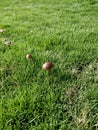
(7, 43)
(47, 66)
(28, 56)
(2, 30)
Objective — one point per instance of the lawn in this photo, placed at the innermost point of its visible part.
(65, 33)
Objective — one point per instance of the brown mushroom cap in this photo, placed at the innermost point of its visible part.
(47, 66)
(28, 56)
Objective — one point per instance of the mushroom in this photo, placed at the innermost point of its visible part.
(47, 66)
(1, 30)
(28, 56)
(7, 43)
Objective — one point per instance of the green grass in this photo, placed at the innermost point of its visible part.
(64, 32)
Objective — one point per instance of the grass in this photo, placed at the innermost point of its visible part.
(65, 33)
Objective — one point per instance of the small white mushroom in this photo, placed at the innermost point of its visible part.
(8, 43)
(2, 30)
